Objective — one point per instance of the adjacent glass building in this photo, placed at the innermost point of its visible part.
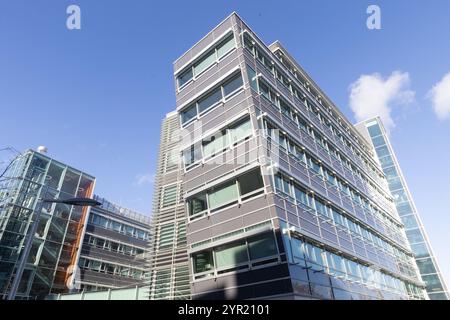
(114, 253)
(282, 197)
(375, 132)
(31, 177)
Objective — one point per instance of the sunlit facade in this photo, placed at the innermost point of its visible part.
(55, 249)
(114, 253)
(169, 272)
(284, 198)
(375, 132)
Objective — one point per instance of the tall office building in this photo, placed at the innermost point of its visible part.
(374, 131)
(115, 248)
(169, 261)
(284, 198)
(55, 247)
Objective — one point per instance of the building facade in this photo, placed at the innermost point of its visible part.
(115, 248)
(283, 197)
(375, 132)
(169, 261)
(33, 176)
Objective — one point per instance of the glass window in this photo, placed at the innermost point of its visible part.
(250, 181)
(378, 141)
(188, 114)
(404, 208)
(433, 282)
(203, 261)
(205, 62)
(279, 183)
(382, 151)
(197, 204)
(232, 85)
(321, 208)
(410, 221)
(374, 130)
(298, 251)
(240, 130)
(184, 77)
(262, 246)
(222, 195)
(300, 195)
(314, 256)
(192, 154)
(264, 90)
(169, 197)
(420, 250)
(426, 266)
(414, 236)
(225, 46)
(215, 144)
(231, 255)
(209, 100)
(252, 78)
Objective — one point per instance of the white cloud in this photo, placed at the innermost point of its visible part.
(371, 96)
(144, 179)
(440, 97)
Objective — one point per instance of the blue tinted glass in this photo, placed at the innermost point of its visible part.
(378, 141)
(374, 130)
(420, 250)
(409, 221)
(382, 151)
(414, 236)
(426, 266)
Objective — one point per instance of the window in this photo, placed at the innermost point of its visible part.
(192, 154)
(205, 62)
(252, 78)
(129, 230)
(169, 196)
(250, 182)
(116, 226)
(222, 195)
(197, 204)
(203, 261)
(420, 250)
(314, 256)
(232, 85)
(188, 114)
(100, 221)
(100, 243)
(321, 208)
(262, 246)
(225, 46)
(215, 144)
(315, 166)
(414, 236)
(209, 100)
(298, 251)
(301, 196)
(231, 255)
(240, 130)
(264, 90)
(374, 130)
(185, 77)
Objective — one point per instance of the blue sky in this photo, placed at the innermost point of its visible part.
(95, 97)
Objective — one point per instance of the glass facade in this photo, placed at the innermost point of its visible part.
(55, 248)
(407, 211)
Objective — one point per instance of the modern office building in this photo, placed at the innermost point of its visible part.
(284, 198)
(115, 248)
(33, 176)
(374, 131)
(169, 261)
